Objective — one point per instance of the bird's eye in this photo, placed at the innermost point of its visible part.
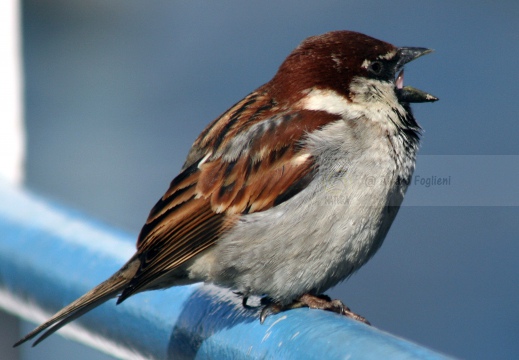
(376, 67)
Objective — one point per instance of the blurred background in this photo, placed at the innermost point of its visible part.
(116, 92)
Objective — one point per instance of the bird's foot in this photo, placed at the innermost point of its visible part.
(271, 308)
(322, 302)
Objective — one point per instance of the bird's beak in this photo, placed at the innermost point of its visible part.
(409, 94)
(408, 54)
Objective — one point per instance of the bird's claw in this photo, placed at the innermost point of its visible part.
(271, 308)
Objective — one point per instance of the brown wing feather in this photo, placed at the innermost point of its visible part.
(210, 194)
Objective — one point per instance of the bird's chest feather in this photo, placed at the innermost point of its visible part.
(360, 184)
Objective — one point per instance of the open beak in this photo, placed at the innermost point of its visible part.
(409, 94)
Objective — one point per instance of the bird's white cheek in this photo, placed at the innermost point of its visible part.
(375, 100)
(325, 100)
(371, 99)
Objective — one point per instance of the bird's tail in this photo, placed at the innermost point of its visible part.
(95, 297)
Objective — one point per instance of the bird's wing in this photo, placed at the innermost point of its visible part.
(248, 160)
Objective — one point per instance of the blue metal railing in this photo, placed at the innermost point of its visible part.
(50, 255)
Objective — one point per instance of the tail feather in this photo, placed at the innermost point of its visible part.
(95, 297)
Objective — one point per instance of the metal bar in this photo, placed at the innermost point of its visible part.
(50, 255)
(12, 134)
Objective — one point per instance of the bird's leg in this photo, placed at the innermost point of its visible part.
(322, 302)
(247, 306)
(244, 300)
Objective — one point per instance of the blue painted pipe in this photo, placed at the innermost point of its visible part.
(50, 255)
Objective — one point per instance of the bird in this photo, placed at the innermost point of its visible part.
(289, 191)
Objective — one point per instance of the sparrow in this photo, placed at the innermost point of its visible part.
(288, 192)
